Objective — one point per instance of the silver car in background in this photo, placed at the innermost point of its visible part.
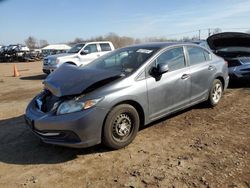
(108, 100)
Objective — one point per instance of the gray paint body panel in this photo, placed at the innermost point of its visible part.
(157, 98)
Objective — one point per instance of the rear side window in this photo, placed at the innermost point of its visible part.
(91, 48)
(105, 47)
(197, 55)
(173, 57)
(207, 55)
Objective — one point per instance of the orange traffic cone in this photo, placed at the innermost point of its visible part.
(16, 73)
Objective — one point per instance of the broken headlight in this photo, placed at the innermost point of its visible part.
(76, 106)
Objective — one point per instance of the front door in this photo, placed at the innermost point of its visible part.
(92, 54)
(172, 90)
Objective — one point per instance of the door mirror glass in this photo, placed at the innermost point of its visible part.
(158, 70)
(84, 52)
(162, 68)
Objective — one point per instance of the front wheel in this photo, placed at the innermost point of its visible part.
(215, 93)
(121, 126)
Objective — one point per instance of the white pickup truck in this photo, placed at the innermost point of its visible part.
(80, 54)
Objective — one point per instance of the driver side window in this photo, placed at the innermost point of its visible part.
(174, 58)
(91, 48)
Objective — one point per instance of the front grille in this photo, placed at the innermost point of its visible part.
(47, 102)
(63, 136)
(245, 60)
(45, 62)
(50, 103)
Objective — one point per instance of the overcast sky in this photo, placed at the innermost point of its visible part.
(63, 20)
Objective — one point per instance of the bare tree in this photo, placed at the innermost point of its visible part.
(121, 41)
(186, 39)
(217, 30)
(78, 40)
(43, 43)
(31, 42)
(138, 41)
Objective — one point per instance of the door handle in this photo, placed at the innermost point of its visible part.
(211, 67)
(185, 76)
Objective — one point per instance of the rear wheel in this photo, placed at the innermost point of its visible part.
(215, 93)
(121, 126)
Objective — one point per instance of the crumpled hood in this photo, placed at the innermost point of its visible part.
(72, 80)
(63, 55)
(228, 39)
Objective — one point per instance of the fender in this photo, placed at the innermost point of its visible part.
(219, 75)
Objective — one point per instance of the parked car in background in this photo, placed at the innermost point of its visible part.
(53, 49)
(202, 43)
(18, 52)
(107, 100)
(80, 54)
(235, 49)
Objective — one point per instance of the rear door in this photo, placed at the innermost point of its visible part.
(104, 48)
(201, 70)
(172, 90)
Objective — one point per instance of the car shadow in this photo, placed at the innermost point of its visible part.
(18, 145)
(239, 83)
(36, 77)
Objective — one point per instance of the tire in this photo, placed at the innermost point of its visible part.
(215, 93)
(121, 126)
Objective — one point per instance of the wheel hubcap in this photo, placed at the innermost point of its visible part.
(122, 127)
(217, 92)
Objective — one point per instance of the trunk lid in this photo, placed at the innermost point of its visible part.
(228, 39)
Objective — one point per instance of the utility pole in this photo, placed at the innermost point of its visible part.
(209, 32)
(199, 34)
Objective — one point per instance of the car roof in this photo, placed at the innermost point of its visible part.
(90, 42)
(160, 44)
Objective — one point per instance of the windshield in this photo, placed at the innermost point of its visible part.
(235, 49)
(76, 48)
(126, 60)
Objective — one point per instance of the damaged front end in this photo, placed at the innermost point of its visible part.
(47, 102)
(235, 49)
(66, 112)
(68, 120)
(66, 88)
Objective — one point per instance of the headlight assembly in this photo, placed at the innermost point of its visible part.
(76, 106)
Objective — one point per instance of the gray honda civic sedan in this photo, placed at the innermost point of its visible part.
(108, 100)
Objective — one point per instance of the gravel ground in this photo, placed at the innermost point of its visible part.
(198, 147)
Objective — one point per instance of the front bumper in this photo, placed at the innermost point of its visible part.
(48, 69)
(79, 129)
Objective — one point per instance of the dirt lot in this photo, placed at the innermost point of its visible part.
(200, 147)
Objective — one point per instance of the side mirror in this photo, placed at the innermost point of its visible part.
(84, 52)
(162, 68)
(159, 70)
